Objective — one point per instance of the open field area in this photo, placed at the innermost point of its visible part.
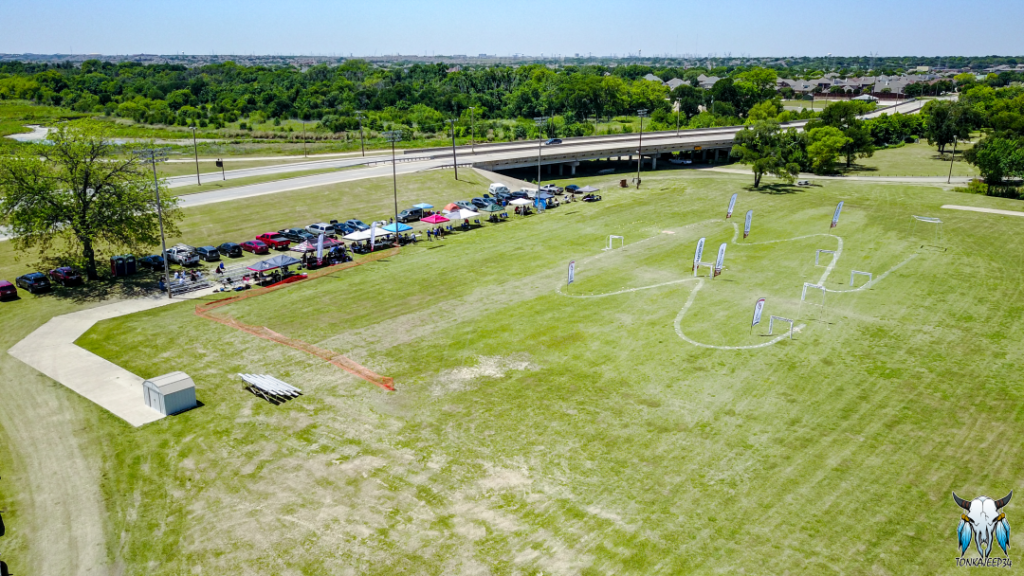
(581, 431)
(918, 159)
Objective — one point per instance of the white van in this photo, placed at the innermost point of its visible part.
(320, 228)
(530, 192)
(497, 187)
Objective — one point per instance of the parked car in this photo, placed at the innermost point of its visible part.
(357, 224)
(65, 276)
(519, 194)
(503, 197)
(183, 255)
(153, 262)
(33, 282)
(497, 187)
(410, 215)
(274, 240)
(321, 228)
(7, 290)
(551, 189)
(296, 234)
(230, 249)
(803, 182)
(208, 253)
(343, 228)
(465, 205)
(482, 203)
(680, 161)
(255, 246)
(553, 141)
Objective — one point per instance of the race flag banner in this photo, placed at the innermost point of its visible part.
(746, 224)
(732, 204)
(697, 255)
(320, 250)
(758, 308)
(572, 272)
(373, 236)
(720, 262)
(835, 217)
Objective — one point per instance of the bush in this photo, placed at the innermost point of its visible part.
(974, 187)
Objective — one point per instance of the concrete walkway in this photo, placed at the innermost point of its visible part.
(985, 210)
(51, 350)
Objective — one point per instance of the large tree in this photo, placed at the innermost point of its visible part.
(768, 150)
(998, 158)
(947, 122)
(824, 146)
(80, 196)
(844, 116)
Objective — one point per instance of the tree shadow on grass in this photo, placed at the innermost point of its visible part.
(139, 286)
(780, 188)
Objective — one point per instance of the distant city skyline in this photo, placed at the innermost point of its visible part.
(529, 27)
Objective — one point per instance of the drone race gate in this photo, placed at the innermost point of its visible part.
(611, 242)
(710, 265)
(819, 252)
(858, 272)
(772, 320)
(929, 220)
(803, 296)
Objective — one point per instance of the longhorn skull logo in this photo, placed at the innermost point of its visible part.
(983, 520)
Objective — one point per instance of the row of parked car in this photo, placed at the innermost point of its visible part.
(35, 282)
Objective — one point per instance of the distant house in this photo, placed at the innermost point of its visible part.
(675, 83)
(707, 82)
(653, 78)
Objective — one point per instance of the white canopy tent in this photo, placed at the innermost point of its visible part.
(365, 235)
(521, 202)
(462, 213)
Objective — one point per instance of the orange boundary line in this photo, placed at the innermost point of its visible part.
(204, 309)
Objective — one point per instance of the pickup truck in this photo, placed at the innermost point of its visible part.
(296, 234)
(274, 240)
(183, 255)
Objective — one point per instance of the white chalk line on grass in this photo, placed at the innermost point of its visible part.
(677, 324)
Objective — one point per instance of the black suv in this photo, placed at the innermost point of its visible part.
(33, 282)
(229, 249)
(208, 253)
(412, 214)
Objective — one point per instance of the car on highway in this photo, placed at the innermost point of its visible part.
(274, 240)
(153, 262)
(296, 234)
(183, 255)
(410, 215)
(230, 249)
(680, 161)
(65, 276)
(208, 253)
(551, 189)
(320, 228)
(357, 224)
(255, 246)
(553, 141)
(33, 282)
(343, 228)
(7, 290)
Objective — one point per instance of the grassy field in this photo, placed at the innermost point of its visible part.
(537, 432)
(236, 182)
(15, 114)
(208, 166)
(918, 159)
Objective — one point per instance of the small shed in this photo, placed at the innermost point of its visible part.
(170, 393)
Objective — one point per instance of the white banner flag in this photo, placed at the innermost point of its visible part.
(320, 250)
(835, 217)
(746, 224)
(720, 262)
(373, 236)
(732, 204)
(697, 255)
(758, 308)
(572, 272)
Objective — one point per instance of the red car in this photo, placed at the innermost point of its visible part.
(7, 290)
(274, 240)
(255, 246)
(65, 276)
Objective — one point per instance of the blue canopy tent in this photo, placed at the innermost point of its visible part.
(401, 227)
(423, 206)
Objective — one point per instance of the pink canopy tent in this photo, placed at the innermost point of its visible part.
(434, 219)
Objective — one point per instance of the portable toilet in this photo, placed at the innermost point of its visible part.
(170, 393)
(130, 266)
(117, 269)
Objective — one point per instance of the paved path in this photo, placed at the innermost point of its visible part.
(51, 350)
(986, 210)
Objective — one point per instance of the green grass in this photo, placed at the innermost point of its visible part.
(918, 159)
(236, 182)
(537, 433)
(166, 169)
(15, 114)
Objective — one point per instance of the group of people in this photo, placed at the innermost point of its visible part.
(181, 277)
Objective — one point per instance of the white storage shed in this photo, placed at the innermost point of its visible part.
(170, 393)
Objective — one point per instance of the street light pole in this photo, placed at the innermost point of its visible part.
(304, 155)
(154, 155)
(455, 157)
(640, 150)
(472, 129)
(394, 136)
(362, 148)
(540, 121)
(195, 148)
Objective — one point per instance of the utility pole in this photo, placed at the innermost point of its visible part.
(455, 157)
(360, 116)
(392, 137)
(472, 129)
(154, 155)
(195, 149)
(304, 155)
(540, 121)
(640, 150)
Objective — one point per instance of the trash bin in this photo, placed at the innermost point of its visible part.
(130, 267)
(622, 184)
(117, 268)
